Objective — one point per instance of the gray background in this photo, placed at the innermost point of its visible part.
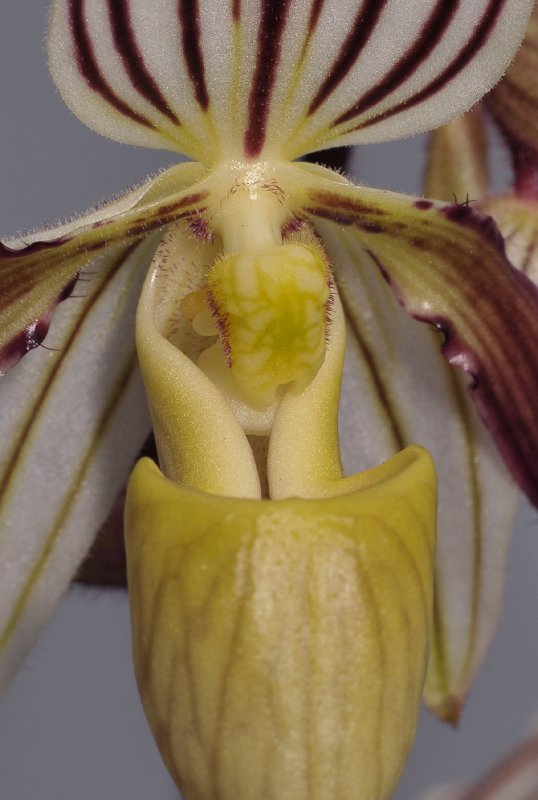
(71, 725)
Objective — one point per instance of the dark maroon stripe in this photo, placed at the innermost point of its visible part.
(427, 39)
(363, 26)
(236, 10)
(89, 68)
(270, 32)
(133, 60)
(315, 13)
(466, 54)
(189, 19)
(10, 253)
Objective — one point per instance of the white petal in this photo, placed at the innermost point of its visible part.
(278, 77)
(72, 421)
(399, 391)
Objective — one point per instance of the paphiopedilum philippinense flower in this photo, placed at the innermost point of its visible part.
(281, 612)
(457, 167)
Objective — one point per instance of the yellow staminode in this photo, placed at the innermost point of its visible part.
(280, 646)
(271, 307)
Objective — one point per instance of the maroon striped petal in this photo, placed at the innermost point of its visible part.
(40, 269)
(447, 266)
(276, 77)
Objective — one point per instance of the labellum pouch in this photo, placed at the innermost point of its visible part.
(280, 646)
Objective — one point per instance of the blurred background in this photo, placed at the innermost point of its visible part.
(71, 725)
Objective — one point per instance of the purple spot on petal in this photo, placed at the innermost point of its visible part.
(370, 227)
(28, 339)
(460, 213)
(463, 214)
(423, 205)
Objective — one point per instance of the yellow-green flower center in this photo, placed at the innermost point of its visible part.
(271, 308)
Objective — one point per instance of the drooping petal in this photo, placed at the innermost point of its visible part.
(447, 266)
(39, 270)
(278, 77)
(514, 101)
(457, 162)
(400, 390)
(73, 420)
(281, 645)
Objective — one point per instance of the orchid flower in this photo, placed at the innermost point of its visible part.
(285, 609)
(457, 167)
